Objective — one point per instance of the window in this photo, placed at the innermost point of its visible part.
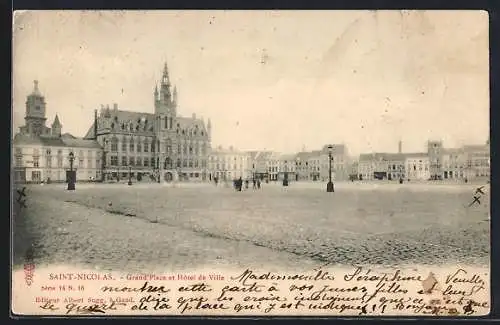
(139, 161)
(36, 162)
(124, 145)
(114, 144)
(196, 163)
(178, 162)
(98, 163)
(184, 148)
(124, 161)
(131, 161)
(146, 162)
(19, 161)
(146, 146)
(131, 145)
(184, 163)
(114, 161)
(80, 163)
(59, 161)
(19, 151)
(168, 147)
(179, 148)
(152, 146)
(139, 147)
(166, 123)
(190, 149)
(89, 163)
(48, 152)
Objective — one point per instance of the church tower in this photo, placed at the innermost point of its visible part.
(35, 112)
(165, 102)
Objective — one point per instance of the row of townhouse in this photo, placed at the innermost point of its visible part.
(439, 163)
(302, 166)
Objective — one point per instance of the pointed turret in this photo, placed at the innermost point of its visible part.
(174, 100)
(56, 127)
(95, 124)
(209, 129)
(165, 78)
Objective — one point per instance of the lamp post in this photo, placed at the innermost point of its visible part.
(129, 175)
(71, 181)
(329, 185)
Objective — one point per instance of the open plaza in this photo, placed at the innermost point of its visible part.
(185, 225)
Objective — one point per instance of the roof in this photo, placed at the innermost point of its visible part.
(141, 119)
(66, 140)
(303, 155)
(476, 147)
(263, 155)
(416, 154)
(381, 156)
(287, 157)
(56, 121)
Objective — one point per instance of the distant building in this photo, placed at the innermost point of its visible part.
(340, 163)
(417, 166)
(435, 153)
(161, 145)
(287, 166)
(41, 154)
(273, 165)
(477, 160)
(229, 164)
(314, 164)
(302, 165)
(390, 166)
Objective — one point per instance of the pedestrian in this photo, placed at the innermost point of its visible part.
(254, 184)
(258, 184)
(246, 184)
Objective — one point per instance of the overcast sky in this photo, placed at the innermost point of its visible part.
(278, 80)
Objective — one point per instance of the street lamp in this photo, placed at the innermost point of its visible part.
(329, 185)
(71, 180)
(129, 175)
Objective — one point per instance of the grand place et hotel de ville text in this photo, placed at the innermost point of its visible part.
(162, 146)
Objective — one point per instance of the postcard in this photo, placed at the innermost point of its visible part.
(250, 163)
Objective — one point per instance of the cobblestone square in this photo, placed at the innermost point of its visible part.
(149, 226)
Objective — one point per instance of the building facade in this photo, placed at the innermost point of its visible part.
(340, 162)
(229, 164)
(287, 167)
(41, 154)
(162, 146)
(417, 166)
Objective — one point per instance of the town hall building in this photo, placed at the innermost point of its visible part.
(161, 146)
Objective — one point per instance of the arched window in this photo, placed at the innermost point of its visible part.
(114, 144)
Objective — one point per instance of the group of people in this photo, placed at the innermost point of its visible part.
(238, 184)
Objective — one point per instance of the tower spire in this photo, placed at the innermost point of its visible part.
(165, 78)
(175, 95)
